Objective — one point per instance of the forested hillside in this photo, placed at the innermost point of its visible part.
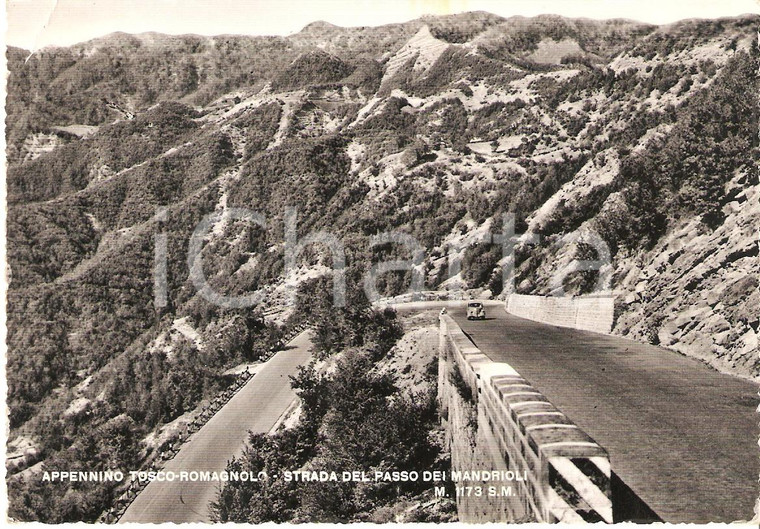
(437, 128)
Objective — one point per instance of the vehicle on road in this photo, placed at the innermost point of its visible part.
(476, 311)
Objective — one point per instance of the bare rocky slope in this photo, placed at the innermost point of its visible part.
(644, 135)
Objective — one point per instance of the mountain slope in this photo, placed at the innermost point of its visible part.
(436, 128)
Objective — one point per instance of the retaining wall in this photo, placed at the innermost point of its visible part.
(585, 313)
(495, 420)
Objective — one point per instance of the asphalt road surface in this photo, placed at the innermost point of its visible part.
(681, 435)
(256, 407)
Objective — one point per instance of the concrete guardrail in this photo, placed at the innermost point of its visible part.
(567, 475)
(584, 312)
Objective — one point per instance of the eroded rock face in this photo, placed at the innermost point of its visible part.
(697, 292)
(38, 144)
(424, 48)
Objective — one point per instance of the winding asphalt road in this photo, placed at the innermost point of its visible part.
(681, 435)
(256, 407)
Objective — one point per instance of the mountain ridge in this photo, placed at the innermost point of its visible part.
(639, 137)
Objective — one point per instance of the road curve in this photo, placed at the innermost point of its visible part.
(256, 407)
(680, 434)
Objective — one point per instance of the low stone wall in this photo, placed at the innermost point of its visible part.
(549, 470)
(584, 313)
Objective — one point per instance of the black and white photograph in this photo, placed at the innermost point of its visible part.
(411, 261)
